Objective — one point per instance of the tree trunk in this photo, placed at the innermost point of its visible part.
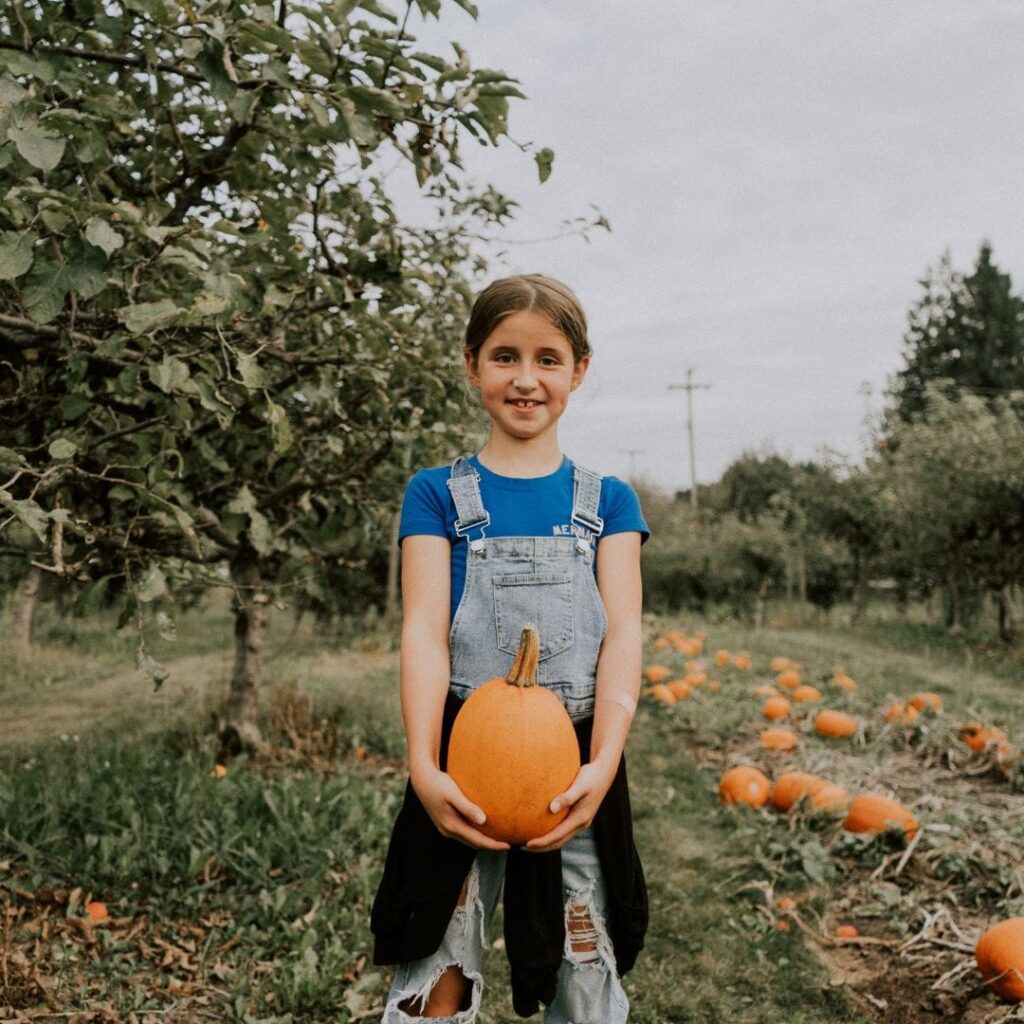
(1007, 613)
(955, 612)
(26, 599)
(759, 605)
(391, 598)
(860, 590)
(239, 730)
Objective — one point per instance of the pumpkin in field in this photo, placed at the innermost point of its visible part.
(789, 678)
(744, 784)
(765, 690)
(722, 658)
(806, 695)
(742, 661)
(895, 711)
(679, 688)
(513, 749)
(96, 910)
(661, 643)
(869, 812)
(926, 699)
(696, 678)
(657, 673)
(790, 788)
(834, 725)
(841, 681)
(661, 692)
(714, 685)
(847, 931)
(779, 664)
(978, 736)
(828, 796)
(779, 739)
(1000, 957)
(775, 708)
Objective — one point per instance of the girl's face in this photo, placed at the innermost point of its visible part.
(525, 373)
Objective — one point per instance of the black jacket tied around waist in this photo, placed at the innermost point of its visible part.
(424, 873)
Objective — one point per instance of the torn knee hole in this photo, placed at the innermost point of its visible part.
(582, 933)
(451, 993)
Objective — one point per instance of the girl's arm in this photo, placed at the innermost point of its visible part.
(426, 599)
(618, 686)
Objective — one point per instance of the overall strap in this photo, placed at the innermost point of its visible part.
(464, 485)
(586, 497)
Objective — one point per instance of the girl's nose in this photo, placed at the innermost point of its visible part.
(524, 379)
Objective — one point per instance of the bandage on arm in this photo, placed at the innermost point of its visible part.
(622, 699)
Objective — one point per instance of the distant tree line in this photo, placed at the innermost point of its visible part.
(935, 509)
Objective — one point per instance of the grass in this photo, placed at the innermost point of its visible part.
(246, 898)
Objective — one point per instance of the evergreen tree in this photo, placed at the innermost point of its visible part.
(967, 330)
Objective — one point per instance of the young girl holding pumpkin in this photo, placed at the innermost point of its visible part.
(517, 534)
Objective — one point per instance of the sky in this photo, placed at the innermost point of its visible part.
(778, 174)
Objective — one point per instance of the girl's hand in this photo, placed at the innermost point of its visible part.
(584, 796)
(454, 815)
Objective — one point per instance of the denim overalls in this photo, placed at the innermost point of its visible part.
(510, 581)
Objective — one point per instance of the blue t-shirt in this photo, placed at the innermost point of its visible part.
(532, 507)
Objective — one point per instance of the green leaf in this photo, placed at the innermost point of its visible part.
(62, 449)
(38, 146)
(15, 253)
(99, 233)
(260, 533)
(280, 428)
(84, 263)
(73, 405)
(146, 316)
(545, 158)
(44, 290)
(92, 597)
(9, 457)
(11, 93)
(251, 372)
(169, 375)
(27, 512)
(153, 585)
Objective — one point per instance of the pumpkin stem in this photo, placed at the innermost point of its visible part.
(524, 668)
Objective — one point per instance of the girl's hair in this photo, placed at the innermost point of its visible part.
(535, 292)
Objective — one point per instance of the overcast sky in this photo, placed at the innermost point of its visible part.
(778, 175)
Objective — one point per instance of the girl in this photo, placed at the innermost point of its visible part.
(515, 534)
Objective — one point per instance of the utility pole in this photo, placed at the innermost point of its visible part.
(689, 387)
(632, 453)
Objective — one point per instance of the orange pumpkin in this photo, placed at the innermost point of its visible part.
(657, 673)
(714, 685)
(779, 664)
(869, 812)
(661, 692)
(765, 690)
(775, 708)
(96, 910)
(807, 695)
(1000, 957)
(847, 931)
(834, 725)
(679, 688)
(926, 699)
(722, 658)
(779, 739)
(742, 661)
(661, 643)
(744, 784)
(895, 711)
(843, 682)
(828, 796)
(978, 736)
(513, 749)
(790, 788)
(789, 678)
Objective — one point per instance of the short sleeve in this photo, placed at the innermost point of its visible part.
(622, 514)
(424, 506)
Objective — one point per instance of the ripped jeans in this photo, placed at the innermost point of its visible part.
(589, 989)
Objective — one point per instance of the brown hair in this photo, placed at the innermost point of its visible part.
(535, 292)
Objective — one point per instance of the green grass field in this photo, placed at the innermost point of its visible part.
(245, 898)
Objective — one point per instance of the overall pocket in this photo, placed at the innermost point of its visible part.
(543, 598)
